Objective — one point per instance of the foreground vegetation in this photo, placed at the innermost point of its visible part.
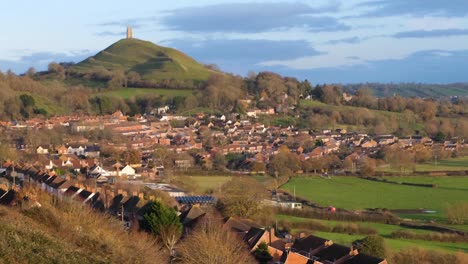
(66, 232)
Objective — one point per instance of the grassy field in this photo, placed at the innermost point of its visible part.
(446, 182)
(125, 93)
(455, 164)
(354, 193)
(383, 229)
(397, 244)
(206, 183)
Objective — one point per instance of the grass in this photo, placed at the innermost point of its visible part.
(454, 164)
(67, 232)
(207, 183)
(354, 194)
(383, 229)
(398, 244)
(126, 93)
(446, 182)
(151, 61)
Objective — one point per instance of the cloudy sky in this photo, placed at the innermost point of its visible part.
(334, 41)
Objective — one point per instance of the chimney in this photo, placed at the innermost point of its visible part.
(353, 252)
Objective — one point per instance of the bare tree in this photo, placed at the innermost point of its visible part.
(210, 243)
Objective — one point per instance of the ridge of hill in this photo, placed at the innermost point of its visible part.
(152, 62)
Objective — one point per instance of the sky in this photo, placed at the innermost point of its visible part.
(333, 41)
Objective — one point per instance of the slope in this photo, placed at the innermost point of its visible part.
(152, 62)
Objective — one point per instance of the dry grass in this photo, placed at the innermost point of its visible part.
(67, 232)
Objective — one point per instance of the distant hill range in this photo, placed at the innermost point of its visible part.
(412, 89)
(152, 62)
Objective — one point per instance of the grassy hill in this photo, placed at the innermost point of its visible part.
(152, 62)
(65, 232)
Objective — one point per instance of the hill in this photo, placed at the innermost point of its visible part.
(65, 232)
(150, 61)
(412, 89)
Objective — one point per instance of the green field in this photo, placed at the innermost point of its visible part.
(125, 93)
(206, 183)
(397, 244)
(454, 164)
(445, 182)
(383, 229)
(355, 193)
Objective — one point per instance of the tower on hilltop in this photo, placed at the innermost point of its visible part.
(129, 32)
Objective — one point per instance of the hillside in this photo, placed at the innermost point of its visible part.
(150, 61)
(412, 89)
(64, 232)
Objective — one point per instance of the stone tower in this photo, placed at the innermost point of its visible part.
(129, 32)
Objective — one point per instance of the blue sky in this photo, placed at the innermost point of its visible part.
(323, 41)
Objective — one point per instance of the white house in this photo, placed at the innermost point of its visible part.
(41, 150)
(128, 171)
(77, 150)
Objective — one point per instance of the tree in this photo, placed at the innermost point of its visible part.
(241, 197)
(163, 222)
(373, 245)
(57, 69)
(398, 158)
(219, 161)
(262, 254)
(367, 166)
(210, 243)
(284, 164)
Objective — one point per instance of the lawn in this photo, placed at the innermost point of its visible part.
(355, 193)
(125, 93)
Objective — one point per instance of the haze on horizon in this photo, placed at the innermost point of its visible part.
(323, 41)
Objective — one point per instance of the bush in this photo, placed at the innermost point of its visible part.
(457, 213)
(451, 238)
(373, 245)
(417, 255)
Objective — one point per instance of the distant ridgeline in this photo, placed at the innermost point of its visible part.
(411, 89)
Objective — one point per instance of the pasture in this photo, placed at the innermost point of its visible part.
(384, 230)
(207, 183)
(126, 93)
(454, 164)
(354, 194)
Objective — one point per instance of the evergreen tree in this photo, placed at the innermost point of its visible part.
(261, 253)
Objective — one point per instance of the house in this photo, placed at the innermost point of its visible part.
(369, 144)
(42, 150)
(92, 151)
(318, 250)
(96, 171)
(255, 236)
(77, 150)
(61, 150)
(128, 171)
